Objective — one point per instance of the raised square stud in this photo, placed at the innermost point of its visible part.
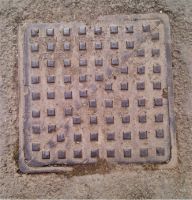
(66, 31)
(68, 111)
(50, 95)
(93, 137)
(157, 85)
(155, 36)
(66, 46)
(99, 77)
(140, 52)
(158, 101)
(155, 52)
(82, 30)
(50, 46)
(51, 128)
(61, 154)
(127, 153)
(61, 137)
(115, 61)
(35, 96)
(82, 62)
(114, 45)
(50, 32)
(156, 68)
(159, 117)
(99, 62)
(142, 135)
(126, 119)
(82, 45)
(35, 147)
(35, 64)
(141, 86)
(129, 44)
(51, 79)
(144, 152)
(108, 87)
(160, 151)
(98, 30)
(159, 133)
(67, 63)
(93, 103)
(45, 154)
(77, 154)
(141, 102)
(50, 112)
(113, 29)
(68, 95)
(35, 47)
(141, 70)
(36, 129)
(34, 32)
(109, 120)
(93, 120)
(95, 153)
(129, 29)
(142, 119)
(146, 28)
(82, 78)
(98, 45)
(83, 93)
(110, 136)
(124, 86)
(51, 143)
(125, 103)
(111, 153)
(67, 79)
(50, 63)
(126, 135)
(109, 103)
(35, 113)
(124, 70)
(76, 120)
(77, 137)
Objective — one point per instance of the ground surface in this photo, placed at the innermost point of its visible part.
(105, 181)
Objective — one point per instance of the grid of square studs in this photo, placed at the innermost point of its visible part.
(93, 103)
(113, 29)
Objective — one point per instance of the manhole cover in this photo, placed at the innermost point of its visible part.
(100, 90)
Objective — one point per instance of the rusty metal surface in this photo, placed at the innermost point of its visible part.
(96, 91)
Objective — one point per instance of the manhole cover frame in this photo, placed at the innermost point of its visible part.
(25, 167)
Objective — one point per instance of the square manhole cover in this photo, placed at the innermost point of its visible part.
(100, 90)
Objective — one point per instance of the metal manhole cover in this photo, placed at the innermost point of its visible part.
(100, 90)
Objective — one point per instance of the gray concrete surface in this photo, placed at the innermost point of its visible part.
(107, 181)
